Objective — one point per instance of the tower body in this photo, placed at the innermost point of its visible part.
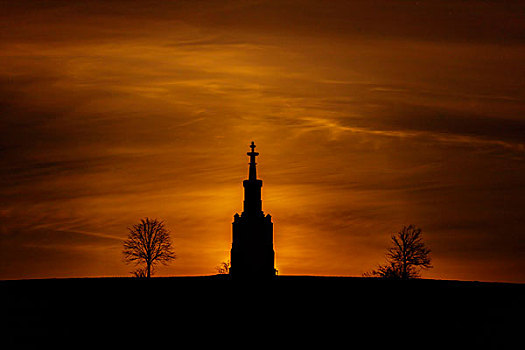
(252, 253)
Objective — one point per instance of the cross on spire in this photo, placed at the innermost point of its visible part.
(252, 154)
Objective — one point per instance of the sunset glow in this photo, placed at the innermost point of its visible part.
(367, 115)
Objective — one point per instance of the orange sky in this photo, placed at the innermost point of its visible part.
(368, 115)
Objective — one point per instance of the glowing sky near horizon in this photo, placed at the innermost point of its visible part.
(368, 115)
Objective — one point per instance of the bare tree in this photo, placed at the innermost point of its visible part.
(407, 257)
(139, 273)
(148, 244)
(391, 271)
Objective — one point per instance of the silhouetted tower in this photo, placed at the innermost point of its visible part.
(252, 253)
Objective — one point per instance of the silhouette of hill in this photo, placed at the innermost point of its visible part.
(289, 310)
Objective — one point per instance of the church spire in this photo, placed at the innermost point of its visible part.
(253, 171)
(252, 187)
(252, 254)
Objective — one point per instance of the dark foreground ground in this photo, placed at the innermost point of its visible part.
(294, 312)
